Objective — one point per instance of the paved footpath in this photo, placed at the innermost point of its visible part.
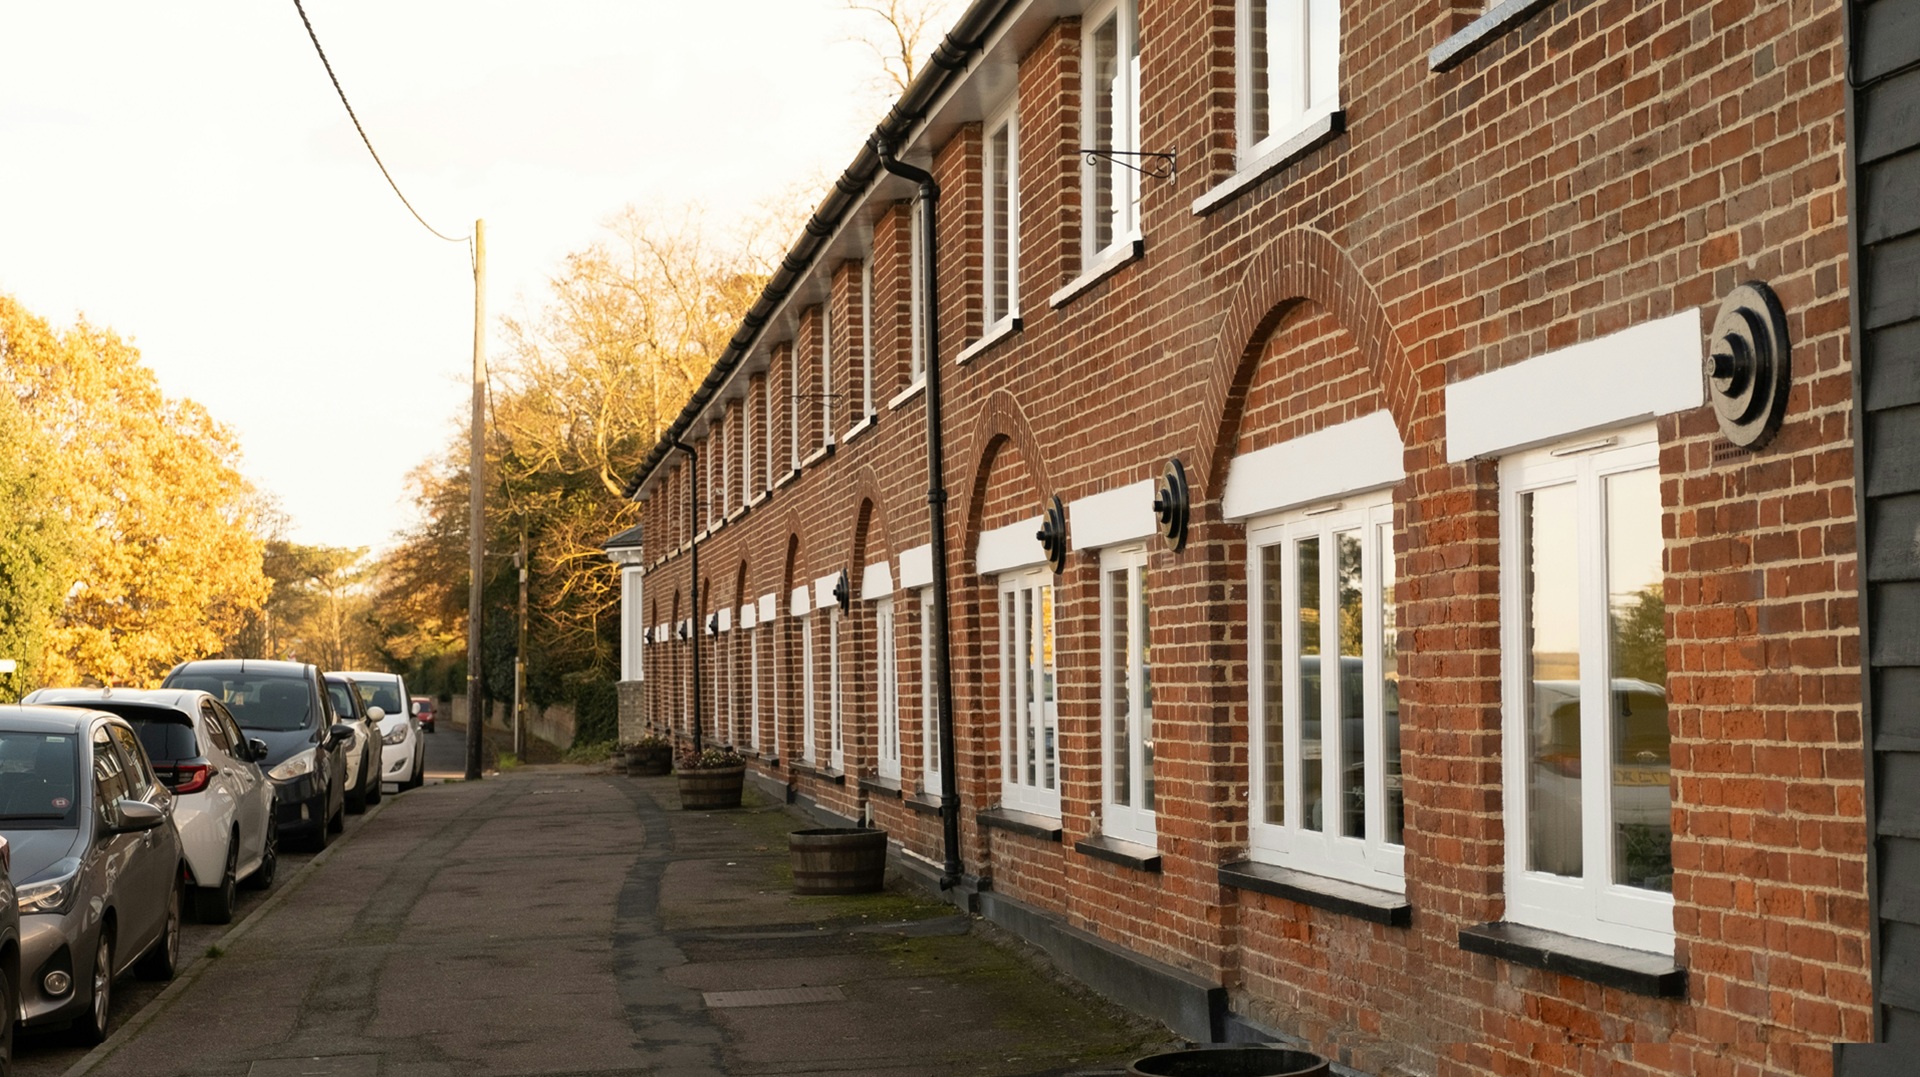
(558, 920)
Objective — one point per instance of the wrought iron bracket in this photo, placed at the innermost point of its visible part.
(1158, 165)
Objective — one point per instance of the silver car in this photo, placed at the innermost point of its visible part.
(96, 859)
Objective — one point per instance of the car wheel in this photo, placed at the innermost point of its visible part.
(163, 959)
(337, 822)
(9, 1023)
(94, 1028)
(262, 876)
(373, 787)
(357, 798)
(419, 776)
(322, 823)
(214, 904)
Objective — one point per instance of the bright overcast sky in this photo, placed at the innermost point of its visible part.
(182, 173)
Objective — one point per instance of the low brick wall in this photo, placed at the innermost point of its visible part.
(633, 710)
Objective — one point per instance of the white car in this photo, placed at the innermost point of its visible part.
(223, 804)
(405, 753)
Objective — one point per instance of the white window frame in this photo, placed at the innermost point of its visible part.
(1369, 859)
(1120, 169)
(754, 636)
(793, 407)
(726, 465)
(836, 726)
(995, 319)
(773, 437)
(866, 337)
(1029, 722)
(809, 750)
(1300, 34)
(929, 707)
(1134, 820)
(746, 447)
(1589, 906)
(723, 657)
(826, 373)
(886, 694)
(916, 302)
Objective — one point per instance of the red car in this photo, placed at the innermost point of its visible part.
(423, 710)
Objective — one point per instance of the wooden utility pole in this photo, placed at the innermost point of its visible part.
(476, 501)
(520, 654)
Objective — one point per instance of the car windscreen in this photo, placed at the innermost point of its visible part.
(39, 780)
(382, 694)
(275, 702)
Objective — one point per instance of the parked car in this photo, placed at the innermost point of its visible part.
(285, 705)
(364, 761)
(400, 730)
(223, 802)
(423, 710)
(98, 859)
(9, 957)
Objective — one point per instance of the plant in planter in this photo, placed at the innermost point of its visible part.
(649, 756)
(710, 778)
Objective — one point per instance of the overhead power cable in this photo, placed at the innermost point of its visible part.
(315, 38)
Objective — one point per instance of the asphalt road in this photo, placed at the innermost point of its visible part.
(49, 1052)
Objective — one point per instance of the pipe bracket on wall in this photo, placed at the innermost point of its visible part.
(1749, 365)
(1172, 502)
(1053, 534)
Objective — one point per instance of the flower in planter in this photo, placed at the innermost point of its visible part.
(712, 758)
(651, 743)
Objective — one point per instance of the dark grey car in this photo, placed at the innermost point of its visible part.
(96, 858)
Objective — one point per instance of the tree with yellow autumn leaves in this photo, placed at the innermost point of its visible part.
(129, 543)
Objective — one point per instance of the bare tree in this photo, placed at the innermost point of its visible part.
(907, 33)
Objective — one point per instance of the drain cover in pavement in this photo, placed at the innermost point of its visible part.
(333, 1066)
(773, 996)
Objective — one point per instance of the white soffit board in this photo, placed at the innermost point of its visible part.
(916, 567)
(798, 605)
(823, 591)
(747, 619)
(876, 581)
(1113, 517)
(1360, 454)
(1651, 369)
(1006, 548)
(769, 607)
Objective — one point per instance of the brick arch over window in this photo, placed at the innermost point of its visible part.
(1301, 264)
(1000, 423)
(870, 534)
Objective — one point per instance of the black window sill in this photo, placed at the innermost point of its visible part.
(767, 758)
(1020, 822)
(834, 776)
(1124, 853)
(922, 803)
(1480, 32)
(1335, 895)
(886, 787)
(1635, 971)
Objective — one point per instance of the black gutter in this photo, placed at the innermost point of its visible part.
(693, 538)
(936, 509)
(948, 61)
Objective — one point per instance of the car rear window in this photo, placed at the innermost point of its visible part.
(39, 779)
(382, 694)
(164, 741)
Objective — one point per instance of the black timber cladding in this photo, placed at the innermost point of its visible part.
(1883, 162)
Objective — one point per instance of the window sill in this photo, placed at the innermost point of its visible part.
(1046, 828)
(757, 499)
(1334, 895)
(1634, 971)
(811, 770)
(1319, 129)
(858, 429)
(738, 511)
(819, 454)
(1477, 34)
(1124, 853)
(1112, 261)
(908, 393)
(785, 479)
(923, 804)
(886, 787)
(1001, 330)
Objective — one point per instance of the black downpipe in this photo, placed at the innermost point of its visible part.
(937, 509)
(693, 540)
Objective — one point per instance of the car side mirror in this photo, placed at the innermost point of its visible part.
(258, 748)
(417, 708)
(339, 734)
(376, 713)
(137, 815)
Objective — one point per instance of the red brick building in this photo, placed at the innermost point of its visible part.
(1422, 300)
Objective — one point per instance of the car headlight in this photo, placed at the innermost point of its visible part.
(54, 891)
(294, 765)
(398, 734)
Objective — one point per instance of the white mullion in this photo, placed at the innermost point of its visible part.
(1290, 715)
(1009, 720)
(1596, 696)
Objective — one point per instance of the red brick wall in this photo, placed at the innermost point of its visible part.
(1606, 163)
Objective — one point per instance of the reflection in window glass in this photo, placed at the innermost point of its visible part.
(1642, 798)
(1390, 689)
(1106, 69)
(1351, 686)
(1274, 697)
(1307, 566)
(1553, 657)
(1047, 710)
(1145, 718)
(1122, 704)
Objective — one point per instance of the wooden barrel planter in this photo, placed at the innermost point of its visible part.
(838, 860)
(650, 762)
(718, 787)
(1233, 1062)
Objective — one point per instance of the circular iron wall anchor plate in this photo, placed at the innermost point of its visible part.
(1749, 365)
(843, 592)
(1171, 503)
(1053, 534)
